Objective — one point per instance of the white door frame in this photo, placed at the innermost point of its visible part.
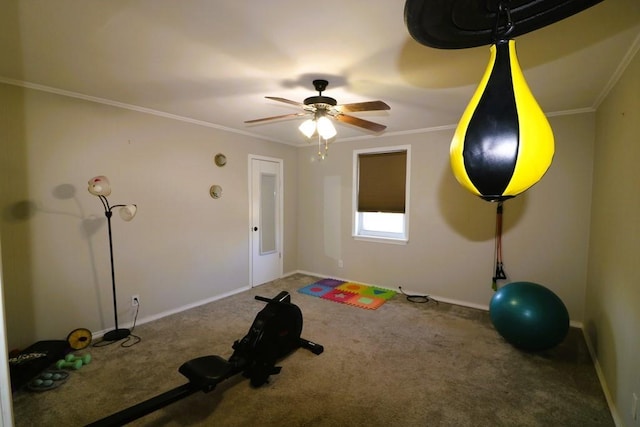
(280, 237)
(6, 399)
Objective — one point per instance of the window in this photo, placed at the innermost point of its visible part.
(381, 194)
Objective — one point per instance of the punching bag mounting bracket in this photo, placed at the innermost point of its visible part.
(460, 24)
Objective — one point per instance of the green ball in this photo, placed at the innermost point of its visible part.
(529, 316)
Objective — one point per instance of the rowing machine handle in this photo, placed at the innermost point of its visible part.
(281, 297)
(313, 347)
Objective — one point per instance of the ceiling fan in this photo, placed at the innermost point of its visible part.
(320, 106)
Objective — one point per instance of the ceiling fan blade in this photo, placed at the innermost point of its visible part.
(284, 116)
(286, 101)
(356, 121)
(362, 106)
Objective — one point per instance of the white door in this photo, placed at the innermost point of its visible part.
(266, 219)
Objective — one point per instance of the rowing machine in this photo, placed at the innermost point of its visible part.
(274, 334)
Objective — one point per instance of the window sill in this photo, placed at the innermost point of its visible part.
(387, 240)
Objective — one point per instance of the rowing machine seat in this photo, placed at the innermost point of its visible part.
(207, 371)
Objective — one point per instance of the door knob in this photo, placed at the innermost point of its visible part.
(255, 228)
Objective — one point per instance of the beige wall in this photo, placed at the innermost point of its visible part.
(612, 318)
(183, 247)
(451, 240)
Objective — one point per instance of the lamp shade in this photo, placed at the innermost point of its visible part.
(99, 186)
(128, 212)
(308, 128)
(503, 143)
(326, 128)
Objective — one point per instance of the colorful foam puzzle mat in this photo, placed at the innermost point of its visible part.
(350, 293)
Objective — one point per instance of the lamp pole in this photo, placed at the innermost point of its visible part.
(99, 186)
(117, 333)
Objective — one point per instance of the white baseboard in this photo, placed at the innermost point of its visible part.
(435, 297)
(484, 307)
(147, 319)
(291, 273)
(603, 382)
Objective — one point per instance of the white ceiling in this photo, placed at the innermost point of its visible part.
(214, 61)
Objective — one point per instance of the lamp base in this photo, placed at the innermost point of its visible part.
(116, 334)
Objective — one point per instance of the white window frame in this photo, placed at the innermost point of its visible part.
(358, 233)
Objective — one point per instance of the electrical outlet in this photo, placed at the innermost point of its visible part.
(634, 406)
(135, 300)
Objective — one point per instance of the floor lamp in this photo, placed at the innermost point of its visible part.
(99, 186)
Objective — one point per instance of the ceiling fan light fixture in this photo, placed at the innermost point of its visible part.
(322, 110)
(308, 128)
(326, 128)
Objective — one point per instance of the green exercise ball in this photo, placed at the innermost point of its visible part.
(529, 316)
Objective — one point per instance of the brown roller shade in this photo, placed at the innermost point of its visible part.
(382, 179)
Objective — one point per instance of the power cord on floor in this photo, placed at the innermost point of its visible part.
(136, 339)
(417, 298)
(131, 337)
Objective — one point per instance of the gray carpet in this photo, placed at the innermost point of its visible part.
(404, 364)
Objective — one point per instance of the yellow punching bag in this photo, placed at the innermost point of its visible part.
(503, 143)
